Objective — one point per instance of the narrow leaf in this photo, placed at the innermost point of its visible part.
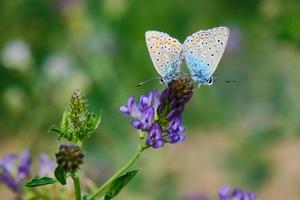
(64, 121)
(40, 181)
(94, 120)
(55, 129)
(60, 175)
(118, 184)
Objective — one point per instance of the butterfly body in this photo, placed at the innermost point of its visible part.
(202, 52)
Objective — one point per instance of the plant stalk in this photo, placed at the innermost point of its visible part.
(103, 188)
(76, 181)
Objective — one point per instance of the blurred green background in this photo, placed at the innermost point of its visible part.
(244, 134)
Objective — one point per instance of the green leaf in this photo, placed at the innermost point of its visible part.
(64, 121)
(40, 181)
(117, 185)
(55, 129)
(94, 120)
(60, 175)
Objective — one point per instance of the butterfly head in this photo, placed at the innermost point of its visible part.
(201, 80)
(210, 81)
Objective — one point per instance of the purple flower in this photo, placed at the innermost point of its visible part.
(24, 165)
(226, 193)
(47, 165)
(174, 97)
(15, 169)
(172, 103)
(175, 131)
(155, 138)
(160, 114)
(143, 113)
(145, 120)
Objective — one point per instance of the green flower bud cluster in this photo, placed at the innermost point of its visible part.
(77, 122)
(77, 113)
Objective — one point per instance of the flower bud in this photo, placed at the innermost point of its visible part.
(69, 157)
(77, 111)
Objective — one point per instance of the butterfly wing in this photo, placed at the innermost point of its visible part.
(165, 53)
(203, 51)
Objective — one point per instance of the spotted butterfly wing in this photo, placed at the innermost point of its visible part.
(203, 51)
(165, 53)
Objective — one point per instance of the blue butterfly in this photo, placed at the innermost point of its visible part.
(202, 52)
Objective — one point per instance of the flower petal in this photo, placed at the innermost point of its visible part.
(145, 100)
(224, 193)
(147, 117)
(133, 109)
(124, 110)
(9, 162)
(47, 165)
(155, 138)
(136, 123)
(24, 165)
(8, 179)
(156, 95)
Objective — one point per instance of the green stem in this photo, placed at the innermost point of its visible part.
(102, 189)
(76, 181)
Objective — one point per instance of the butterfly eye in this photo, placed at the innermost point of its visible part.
(210, 80)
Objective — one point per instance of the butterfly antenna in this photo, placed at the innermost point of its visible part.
(231, 81)
(146, 81)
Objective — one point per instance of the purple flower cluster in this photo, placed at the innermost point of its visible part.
(14, 169)
(160, 114)
(226, 193)
(142, 112)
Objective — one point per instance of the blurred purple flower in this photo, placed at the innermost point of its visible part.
(15, 169)
(159, 114)
(47, 165)
(226, 193)
(235, 39)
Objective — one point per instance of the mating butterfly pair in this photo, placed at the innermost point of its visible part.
(202, 52)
